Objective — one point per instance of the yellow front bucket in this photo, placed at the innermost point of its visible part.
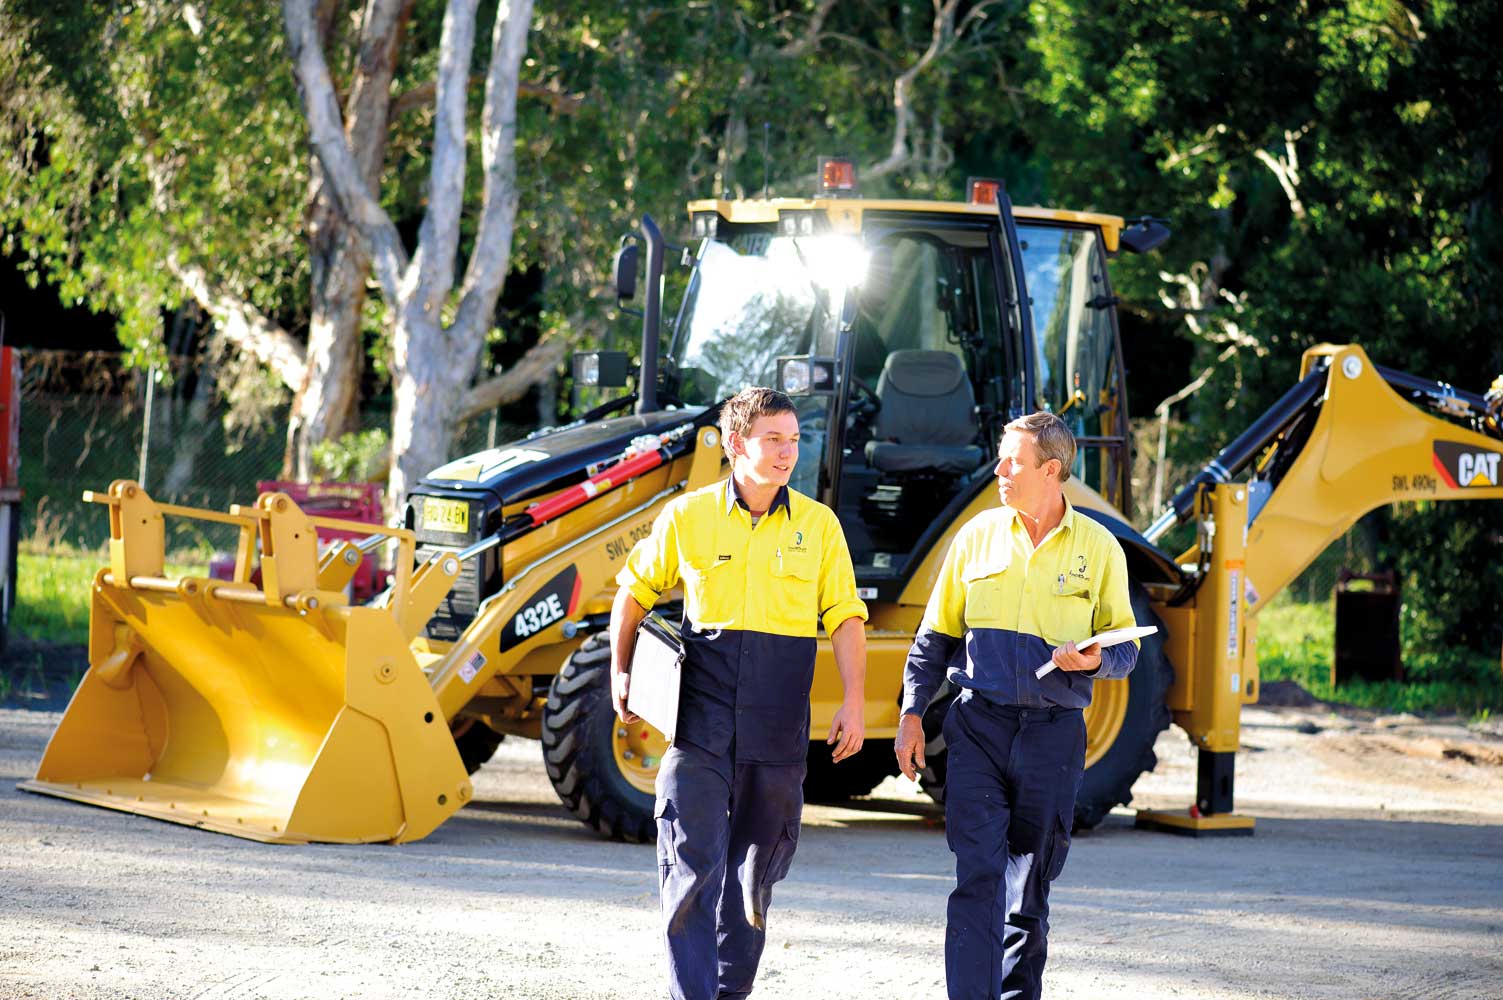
(223, 706)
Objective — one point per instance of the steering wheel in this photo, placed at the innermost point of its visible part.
(865, 396)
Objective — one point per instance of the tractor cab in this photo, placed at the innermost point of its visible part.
(908, 333)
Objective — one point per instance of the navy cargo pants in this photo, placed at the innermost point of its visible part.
(726, 836)
(1010, 784)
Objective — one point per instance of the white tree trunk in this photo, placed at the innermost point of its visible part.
(431, 366)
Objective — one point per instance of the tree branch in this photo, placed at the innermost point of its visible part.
(498, 141)
(432, 266)
(532, 368)
(244, 326)
(326, 135)
(422, 95)
(810, 38)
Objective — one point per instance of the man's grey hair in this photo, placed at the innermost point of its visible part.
(1050, 436)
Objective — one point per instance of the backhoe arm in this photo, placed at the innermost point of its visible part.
(1344, 441)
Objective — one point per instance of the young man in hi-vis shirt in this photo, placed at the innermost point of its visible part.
(761, 566)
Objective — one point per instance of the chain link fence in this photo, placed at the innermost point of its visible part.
(87, 420)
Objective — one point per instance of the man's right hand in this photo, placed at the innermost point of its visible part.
(620, 688)
(909, 746)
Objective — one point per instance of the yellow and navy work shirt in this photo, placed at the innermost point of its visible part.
(1013, 604)
(753, 601)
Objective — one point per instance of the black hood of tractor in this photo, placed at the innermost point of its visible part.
(548, 459)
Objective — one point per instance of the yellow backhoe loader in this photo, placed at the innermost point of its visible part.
(908, 333)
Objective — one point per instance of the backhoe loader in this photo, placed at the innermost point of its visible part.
(907, 333)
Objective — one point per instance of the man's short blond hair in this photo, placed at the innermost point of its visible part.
(1051, 438)
(742, 410)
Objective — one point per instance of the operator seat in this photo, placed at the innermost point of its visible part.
(927, 422)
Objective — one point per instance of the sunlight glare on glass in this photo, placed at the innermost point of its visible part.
(837, 262)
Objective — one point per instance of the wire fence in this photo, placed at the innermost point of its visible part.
(87, 420)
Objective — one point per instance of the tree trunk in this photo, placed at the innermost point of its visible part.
(326, 401)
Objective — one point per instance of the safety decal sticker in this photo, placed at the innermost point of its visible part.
(1462, 466)
(471, 666)
(554, 601)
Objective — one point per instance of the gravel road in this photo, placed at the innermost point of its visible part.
(1376, 872)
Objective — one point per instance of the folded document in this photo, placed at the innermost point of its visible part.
(1115, 637)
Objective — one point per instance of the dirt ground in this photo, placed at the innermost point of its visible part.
(1376, 872)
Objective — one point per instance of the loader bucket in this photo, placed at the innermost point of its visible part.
(276, 717)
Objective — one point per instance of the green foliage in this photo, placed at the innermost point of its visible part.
(1295, 643)
(352, 458)
(138, 134)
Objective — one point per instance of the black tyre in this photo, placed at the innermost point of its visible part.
(579, 726)
(1109, 779)
(827, 781)
(477, 743)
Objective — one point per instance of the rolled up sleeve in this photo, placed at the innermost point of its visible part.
(652, 565)
(1114, 610)
(837, 580)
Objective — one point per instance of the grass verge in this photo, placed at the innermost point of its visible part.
(1296, 642)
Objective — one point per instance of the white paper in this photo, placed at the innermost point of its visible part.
(1114, 637)
(655, 677)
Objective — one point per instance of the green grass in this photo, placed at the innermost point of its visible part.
(1296, 642)
(52, 595)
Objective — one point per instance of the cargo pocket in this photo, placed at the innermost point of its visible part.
(666, 816)
(1058, 847)
(781, 858)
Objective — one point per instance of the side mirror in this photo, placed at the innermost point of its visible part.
(806, 375)
(1144, 235)
(625, 268)
(601, 369)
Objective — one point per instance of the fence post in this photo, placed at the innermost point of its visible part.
(151, 381)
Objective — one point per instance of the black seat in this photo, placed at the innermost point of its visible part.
(928, 418)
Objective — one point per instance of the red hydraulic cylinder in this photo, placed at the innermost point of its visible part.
(606, 479)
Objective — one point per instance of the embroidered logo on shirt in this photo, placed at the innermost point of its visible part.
(1079, 572)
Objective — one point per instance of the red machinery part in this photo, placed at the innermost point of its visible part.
(606, 479)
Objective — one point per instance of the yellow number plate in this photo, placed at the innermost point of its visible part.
(446, 515)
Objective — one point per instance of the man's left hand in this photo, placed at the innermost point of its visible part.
(847, 731)
(1067, 657)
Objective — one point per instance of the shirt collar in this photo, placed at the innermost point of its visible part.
(1066, 522)
(733, 497)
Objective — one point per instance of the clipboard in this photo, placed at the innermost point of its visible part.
(657, 663)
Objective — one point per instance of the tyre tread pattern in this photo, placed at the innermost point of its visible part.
(572, 727)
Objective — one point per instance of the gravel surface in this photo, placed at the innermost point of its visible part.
(1376, 872)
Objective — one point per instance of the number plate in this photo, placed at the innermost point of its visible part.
(446, 515)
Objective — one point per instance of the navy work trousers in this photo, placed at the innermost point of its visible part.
(1010, 784)
(726, 835)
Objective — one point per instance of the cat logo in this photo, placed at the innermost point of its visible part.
(1463, 465)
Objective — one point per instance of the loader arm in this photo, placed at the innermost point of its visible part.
(1344, 441)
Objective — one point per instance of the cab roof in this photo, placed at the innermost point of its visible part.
(845, 213)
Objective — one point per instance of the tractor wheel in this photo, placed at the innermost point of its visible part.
(1122, 723)
(1124, 720)
(477, 743)
(602, 770)
(827, 781)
